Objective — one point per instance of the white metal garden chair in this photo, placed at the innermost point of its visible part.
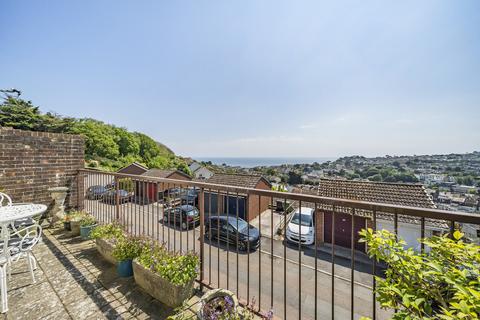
(20, 244)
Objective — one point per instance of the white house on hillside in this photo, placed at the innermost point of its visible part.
(200, 172)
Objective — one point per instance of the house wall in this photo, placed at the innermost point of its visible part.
(256, 204)
(203, 173)
(31, 162)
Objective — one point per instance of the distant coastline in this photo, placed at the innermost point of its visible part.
(250, 162)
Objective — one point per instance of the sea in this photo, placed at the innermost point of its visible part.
(250, 162)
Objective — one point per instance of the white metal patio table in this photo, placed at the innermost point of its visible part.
(8, 215)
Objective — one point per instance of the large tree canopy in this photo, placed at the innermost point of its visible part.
(106, 146)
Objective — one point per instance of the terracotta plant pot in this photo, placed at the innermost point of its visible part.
(161, 289)
(105, 248)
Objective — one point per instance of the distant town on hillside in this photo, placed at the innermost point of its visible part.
(452, 180)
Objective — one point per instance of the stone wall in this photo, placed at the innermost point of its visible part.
(31, 162)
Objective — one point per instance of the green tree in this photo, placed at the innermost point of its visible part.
(19, 114)
(99, 138)
(294, 178)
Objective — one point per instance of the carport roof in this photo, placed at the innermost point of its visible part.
(236, 180)
(164, 173)
(411, 195)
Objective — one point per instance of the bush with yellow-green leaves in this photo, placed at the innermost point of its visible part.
(443, 283)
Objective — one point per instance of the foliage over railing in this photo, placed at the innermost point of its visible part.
(441, 284)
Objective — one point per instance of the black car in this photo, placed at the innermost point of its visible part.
(123, 196)
(229, 229)
(184, 216)
(96, 192)
(189, 196)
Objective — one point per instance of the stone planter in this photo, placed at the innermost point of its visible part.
(160, 288)
(75, 228)
(212, 294)
(105, 248)
(57, 212)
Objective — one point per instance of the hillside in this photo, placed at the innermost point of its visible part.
(107, 147)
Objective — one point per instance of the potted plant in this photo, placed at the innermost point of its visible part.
(87, 223)
(125, 250)
(74, 217)
(67, 223)
(106, 237)
(218, 304)
(166, 276)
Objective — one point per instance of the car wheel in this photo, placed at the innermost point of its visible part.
(184, 226)
(208, 235)
(242, 246)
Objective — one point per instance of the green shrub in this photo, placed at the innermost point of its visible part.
(127, 248)
(177, 268)
(108, 231)
(441, 284)
(75, 216)
(87, 220)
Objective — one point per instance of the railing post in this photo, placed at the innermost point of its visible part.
(117, 200)
(79, 202)
(201, 204)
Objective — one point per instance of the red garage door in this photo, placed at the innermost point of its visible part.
(343, 230)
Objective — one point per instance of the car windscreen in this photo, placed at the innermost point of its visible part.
(241, 224)
(303, 219)
(192, 212)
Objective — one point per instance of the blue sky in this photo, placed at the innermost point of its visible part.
(256, 78)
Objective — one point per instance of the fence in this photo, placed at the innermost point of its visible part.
(318, 281)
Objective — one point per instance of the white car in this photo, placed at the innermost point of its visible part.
(301, 227)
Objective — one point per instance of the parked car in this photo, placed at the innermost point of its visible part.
(185, 216)
(301, 227)
(229, 229)
(95, 192)
(123, 196)
(189, 196)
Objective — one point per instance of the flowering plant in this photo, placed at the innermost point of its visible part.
(177, 268)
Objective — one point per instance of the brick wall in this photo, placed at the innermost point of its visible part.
(31, 162)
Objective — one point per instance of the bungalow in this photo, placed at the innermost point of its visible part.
(148, 192)
(219, 202)
(413, 195)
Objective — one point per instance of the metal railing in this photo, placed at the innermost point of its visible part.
(297, 281)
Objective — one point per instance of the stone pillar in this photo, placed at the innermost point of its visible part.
(58, 195)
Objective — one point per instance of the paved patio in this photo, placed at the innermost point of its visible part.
(74, 282)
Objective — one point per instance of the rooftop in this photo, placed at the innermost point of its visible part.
(163, 173)
(411, 195)
(237, 180)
